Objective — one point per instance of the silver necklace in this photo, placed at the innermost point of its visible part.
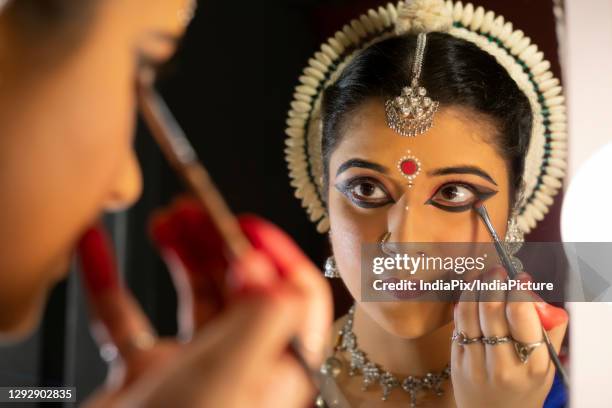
(373, 373)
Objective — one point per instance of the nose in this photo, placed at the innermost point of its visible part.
(405, 222)
(126, 187)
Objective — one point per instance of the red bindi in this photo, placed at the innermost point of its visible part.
(409, 167)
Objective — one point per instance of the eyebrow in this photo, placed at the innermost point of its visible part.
(364, 164)
(477, 171)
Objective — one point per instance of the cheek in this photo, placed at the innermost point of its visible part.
(350, 228)
(443, 226)
(66, 144)
(436, 225)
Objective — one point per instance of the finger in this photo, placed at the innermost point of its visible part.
(286, 386)
(254, 271)
(253, 331)
(296, 269)
(117, 318)
(467, 322)
(551, 316)
(317, 320)
(493, 322)
(553, 319)
(194, 252)
(526, 327)
(265, 236)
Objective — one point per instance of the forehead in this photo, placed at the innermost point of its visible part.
(168, 16)
(457, 137)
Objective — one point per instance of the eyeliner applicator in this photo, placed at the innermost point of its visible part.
(182, 157)
(481, 210)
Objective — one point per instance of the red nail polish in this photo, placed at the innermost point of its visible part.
(186, 230)
(255, 270)
(275, 243)
(551, 316)
(97, 261)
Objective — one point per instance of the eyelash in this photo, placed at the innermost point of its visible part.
(481, 194)
(347, 187)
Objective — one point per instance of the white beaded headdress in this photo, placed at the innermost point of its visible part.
(545, 162)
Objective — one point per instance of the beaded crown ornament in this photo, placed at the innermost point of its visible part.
(546, 157)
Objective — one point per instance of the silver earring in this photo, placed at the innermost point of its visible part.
(513, 242)
(331, 270)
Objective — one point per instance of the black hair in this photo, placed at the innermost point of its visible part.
(455, 73)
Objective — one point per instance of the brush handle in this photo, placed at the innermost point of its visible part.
(183, 158)
(499, 247)
(512, 273)
(505, 259)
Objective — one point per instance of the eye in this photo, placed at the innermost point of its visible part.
(365, 192)
(454, 194)
(458, 197)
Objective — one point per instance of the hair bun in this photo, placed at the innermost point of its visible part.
(422, 16)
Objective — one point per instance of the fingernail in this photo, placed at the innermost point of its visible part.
(185, 230)
(551, 316)
(97, 261)
(253, 271)
(285, 255)
(245, 292)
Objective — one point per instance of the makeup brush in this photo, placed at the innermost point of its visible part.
(481, 210)
(182, 157)
(499, 247)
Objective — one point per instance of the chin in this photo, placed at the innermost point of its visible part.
(17, 322)
(410, 319)
(21, 308)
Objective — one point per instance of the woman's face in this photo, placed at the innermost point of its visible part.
(369, 196)
(66, 148)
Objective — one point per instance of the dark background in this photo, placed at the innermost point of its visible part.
(229, 86)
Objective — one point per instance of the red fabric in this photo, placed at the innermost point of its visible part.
(97, 261)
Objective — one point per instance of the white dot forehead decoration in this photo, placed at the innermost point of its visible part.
(410, 167)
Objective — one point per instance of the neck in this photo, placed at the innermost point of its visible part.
(416, 356)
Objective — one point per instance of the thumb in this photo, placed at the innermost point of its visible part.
(294, 268)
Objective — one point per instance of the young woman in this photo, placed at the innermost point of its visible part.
(67, 109)
(401, 123)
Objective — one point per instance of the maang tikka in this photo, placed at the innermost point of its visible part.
(411, 113)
